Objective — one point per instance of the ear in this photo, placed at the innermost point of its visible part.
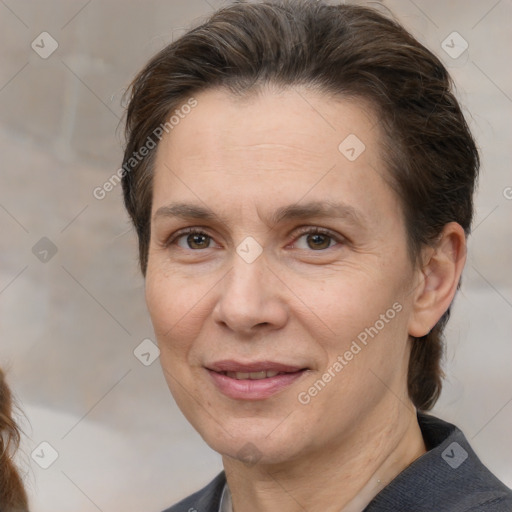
(437, 279)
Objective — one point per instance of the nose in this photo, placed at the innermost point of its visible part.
(251, 299)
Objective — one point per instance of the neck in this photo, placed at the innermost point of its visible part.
(345, 476)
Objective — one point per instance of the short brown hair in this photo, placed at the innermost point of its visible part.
(348, 51)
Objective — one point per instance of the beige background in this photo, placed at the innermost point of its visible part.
(69, 325)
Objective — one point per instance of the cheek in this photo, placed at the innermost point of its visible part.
(346, 304)
(174, 306)
(366, 316)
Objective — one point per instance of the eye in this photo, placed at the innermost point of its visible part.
(191, 238)
(317, 239)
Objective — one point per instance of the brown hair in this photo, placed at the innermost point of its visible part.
(345, 50)
(12, 493)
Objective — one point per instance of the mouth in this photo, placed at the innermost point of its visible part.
(253, 381)
(264, 374)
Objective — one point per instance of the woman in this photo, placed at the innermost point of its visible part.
(301, 178)
(12, 494)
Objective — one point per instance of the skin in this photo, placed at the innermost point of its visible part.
(302, 301)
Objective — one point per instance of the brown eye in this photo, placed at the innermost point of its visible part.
(198, 241)
(191, 239)
(318, 241)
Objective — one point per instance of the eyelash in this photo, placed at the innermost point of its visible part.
(308, 230)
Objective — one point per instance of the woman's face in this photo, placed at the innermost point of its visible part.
(275, 339)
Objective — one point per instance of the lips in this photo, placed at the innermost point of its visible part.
(253, 381)
(264, 374)
(260, 366)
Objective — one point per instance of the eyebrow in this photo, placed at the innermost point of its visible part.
(314, 209)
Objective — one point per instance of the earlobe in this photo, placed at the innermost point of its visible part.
(439, 277)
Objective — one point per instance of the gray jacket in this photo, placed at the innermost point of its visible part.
(448, 478)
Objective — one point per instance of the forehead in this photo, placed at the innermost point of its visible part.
(310, 124)
(272, 149)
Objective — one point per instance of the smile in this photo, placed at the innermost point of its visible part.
(252, 375)
(253, 381)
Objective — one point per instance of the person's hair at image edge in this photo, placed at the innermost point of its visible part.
(13, 497)
(348, 51)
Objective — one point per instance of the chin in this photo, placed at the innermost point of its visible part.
(255, 451)
(252, 444)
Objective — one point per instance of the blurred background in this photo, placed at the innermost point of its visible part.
(72, 312)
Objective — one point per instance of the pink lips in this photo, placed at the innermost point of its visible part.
(252, 389)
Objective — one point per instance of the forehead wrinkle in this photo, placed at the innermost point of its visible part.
(273, 154)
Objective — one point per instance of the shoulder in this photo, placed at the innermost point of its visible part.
(464, 480)
(205, 500)
(448, 478)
